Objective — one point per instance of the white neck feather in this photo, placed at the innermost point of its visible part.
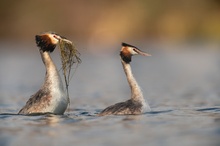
(52, 78)
(136, 93)
(53, 84)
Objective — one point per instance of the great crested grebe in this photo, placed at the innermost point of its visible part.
(51, 98)
(135, 105)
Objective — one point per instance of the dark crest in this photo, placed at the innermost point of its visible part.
(128, 45)
(44, 42)
(57, 34)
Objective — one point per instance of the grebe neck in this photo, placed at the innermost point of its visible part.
(52, 77)
(136, 93)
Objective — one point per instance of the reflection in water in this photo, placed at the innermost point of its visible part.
(51, 120)
(132, 117)
(160, 112)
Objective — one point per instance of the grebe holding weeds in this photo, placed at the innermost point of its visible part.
(51, 98)
(135, 105)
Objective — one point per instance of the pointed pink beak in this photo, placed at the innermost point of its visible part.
(142, 53)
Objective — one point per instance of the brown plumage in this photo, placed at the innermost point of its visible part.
(129, 107)
(46, 41)
(37, 102)
(125, 55)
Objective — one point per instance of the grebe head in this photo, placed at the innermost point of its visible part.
(127, 51)
(47, 41)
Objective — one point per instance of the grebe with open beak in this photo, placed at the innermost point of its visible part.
(137, 104)
(51, 98)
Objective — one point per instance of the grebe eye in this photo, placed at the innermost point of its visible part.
(55, 37)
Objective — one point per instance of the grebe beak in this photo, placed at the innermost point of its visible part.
(57, 37)
(142, 53)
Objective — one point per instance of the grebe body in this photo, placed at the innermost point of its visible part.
(51, 98)
(137, 104)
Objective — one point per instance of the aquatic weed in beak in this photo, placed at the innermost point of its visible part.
(69, 57)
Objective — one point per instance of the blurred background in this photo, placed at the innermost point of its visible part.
(183, 37)
(180, 81)
(109, 22)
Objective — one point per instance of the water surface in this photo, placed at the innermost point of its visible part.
(182, 88)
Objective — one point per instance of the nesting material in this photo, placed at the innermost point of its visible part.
(69, 56)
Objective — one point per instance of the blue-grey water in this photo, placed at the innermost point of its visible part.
(182, 87)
